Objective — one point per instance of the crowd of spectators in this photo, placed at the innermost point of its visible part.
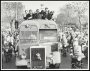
(76, 40)
(43, 14)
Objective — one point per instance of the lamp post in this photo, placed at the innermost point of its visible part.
(16, 17)
(16, 10)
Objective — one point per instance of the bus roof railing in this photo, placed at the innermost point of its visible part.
(39, 23)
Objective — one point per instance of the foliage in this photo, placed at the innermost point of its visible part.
(8, 11)
(73, 13)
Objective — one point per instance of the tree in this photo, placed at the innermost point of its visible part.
(79, 9)
(65, 16)
(11, 10)
(72, 13)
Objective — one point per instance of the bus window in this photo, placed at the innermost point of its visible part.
(47, 35)
(27, 41)
(28, 37)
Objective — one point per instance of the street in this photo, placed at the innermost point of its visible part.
(65, 63)
(9, 65)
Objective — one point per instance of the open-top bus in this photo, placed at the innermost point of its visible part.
(36, 33)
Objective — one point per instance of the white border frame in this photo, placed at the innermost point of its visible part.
(47, 69)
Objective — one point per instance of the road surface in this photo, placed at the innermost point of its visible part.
(65, 63)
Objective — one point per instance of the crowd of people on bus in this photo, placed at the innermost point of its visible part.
(43, 14)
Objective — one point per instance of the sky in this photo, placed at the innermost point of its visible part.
(52, 5)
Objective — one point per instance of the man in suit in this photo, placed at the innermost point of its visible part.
(24, 16)
(29, 15)
(44, 13)
(49, 16)
(37, 14)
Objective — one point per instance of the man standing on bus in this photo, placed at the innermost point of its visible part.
(24, 16)
(50, 14)
(29, 15)
(37, 14)
(46, 12)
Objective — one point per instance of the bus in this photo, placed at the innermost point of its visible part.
(36, 36)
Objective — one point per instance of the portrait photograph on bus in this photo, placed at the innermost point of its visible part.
(37, 58)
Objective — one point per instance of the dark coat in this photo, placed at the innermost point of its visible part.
(36, 15)
(28, 15)
(49, 16)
